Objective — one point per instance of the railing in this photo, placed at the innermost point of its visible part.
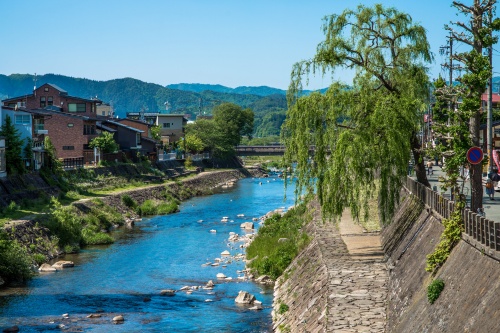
(167, 157)
(199, 157)
(73, 163)
(480, 232)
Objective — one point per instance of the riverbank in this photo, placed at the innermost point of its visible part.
(35, 238)
(159, 253)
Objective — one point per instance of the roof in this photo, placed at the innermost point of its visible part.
(134, 121)
(64, 92)
(493, 124)
(123, 126)
(149, 139)
(45, 112)
(495, 98)
(106, 128)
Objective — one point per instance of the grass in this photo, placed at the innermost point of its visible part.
(278, 242)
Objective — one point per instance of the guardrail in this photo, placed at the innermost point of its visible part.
(480, 232)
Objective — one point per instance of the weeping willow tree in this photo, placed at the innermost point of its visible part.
(363, 134)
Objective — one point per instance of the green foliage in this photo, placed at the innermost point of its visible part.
(363, 134)
(233, 122)
(52, 165)
(13, 147)
(64, 223)
(434, 290)
(194, 144)
(155, 132)
(283, 308)
(39, 258)
(188, 163)
(15, 263)
(92, 237)
(128, 201)
(271, 256)
(148, 207)
(449, 238)
(105, 142)
(167, 208)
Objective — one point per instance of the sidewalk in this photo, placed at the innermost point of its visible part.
(491, 207)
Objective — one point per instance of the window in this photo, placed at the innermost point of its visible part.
(88, 129)
(71, 124)
(166, 125)
(46, 89)
(138, 139)
(42, 102)
(68, 147)
(76, 107)
(50, 100)
(22, 119)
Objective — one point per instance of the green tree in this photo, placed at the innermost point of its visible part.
(233, 121)
(52, 163)
(193, 143)
(14, 147)
(105, 142)
(368, 129)
(156, 132)
(211, 136)
(462, 129)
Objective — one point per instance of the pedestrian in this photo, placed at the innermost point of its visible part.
(489, 188)
(436, 160)
(429, 168)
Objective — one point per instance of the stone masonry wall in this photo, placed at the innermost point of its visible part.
(470, 300)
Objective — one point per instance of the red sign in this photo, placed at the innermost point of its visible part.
(475, 155)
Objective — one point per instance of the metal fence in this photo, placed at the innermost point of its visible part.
(73, 163)
(480, 232)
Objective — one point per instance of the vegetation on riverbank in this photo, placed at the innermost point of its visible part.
(278, 242)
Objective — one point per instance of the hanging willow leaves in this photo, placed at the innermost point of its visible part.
(363, 134)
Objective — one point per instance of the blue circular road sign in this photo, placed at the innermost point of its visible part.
(475, 155)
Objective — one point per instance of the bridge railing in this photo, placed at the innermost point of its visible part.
(479, 231)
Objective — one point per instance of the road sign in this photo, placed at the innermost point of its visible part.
(475, 155)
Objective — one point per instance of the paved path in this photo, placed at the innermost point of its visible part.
(491, 208)
(358, 277)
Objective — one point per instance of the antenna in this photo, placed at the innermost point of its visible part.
(34, 80)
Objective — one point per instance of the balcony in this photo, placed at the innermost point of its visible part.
(39, 129)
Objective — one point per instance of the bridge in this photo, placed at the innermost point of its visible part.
(263, 150)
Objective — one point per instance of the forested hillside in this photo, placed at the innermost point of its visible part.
(131, 95)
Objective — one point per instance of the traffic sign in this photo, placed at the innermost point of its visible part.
(475, 155)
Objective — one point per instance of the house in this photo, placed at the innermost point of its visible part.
(104, 110)
(128, 138)
(171, 127)
(51, 97)
(69, 121)
(147, 117)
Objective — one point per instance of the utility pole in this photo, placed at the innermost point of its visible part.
(489, 123)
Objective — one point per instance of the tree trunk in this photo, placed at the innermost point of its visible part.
(476, 172)
(420, 172)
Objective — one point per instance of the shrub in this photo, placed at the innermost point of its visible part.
(129, 202)
(167, 208)
(283, 308)
(434, 290)
(272, 256)
(148, 207)
(15, 263)
(92, 237)
(39, 258)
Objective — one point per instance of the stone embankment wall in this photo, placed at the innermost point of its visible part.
(326, 291)
(321, 280)
(470, 300)
(37, 239)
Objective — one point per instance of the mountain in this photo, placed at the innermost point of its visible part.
(132, 95)
(243, 90)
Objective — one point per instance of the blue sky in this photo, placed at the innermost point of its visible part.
(228, 42)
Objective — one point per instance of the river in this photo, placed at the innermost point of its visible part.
(163, 252)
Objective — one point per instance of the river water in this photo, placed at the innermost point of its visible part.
(163, 252)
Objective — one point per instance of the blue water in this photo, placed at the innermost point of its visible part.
(164, 252)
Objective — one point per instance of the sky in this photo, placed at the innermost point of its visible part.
(228, 42)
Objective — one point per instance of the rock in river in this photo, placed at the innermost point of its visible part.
(244, 297)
